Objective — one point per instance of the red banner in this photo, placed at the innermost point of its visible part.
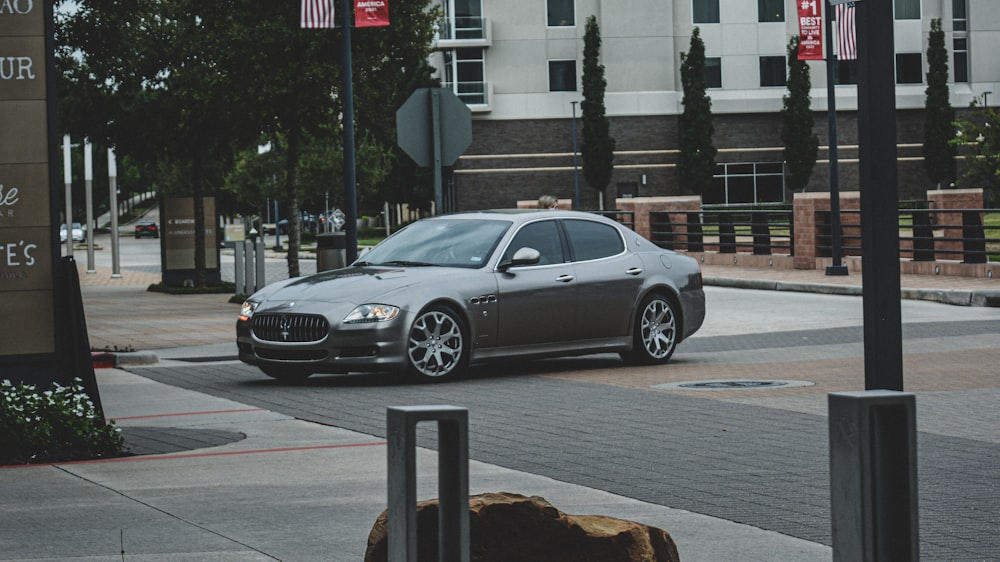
(810, 30)
(371, 13)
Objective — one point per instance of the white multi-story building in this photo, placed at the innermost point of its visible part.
(518, 65)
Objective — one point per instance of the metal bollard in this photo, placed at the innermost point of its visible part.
(453, 481)
(873, 476)
(260, 280)
(238, 279)
(249, 281)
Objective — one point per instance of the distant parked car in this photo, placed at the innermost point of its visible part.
(146, 228)
(77, 232)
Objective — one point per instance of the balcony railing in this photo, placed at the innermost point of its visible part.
(467, 30)
(471, 93)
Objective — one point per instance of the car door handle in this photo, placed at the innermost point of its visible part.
(564, 278)
(634, 271)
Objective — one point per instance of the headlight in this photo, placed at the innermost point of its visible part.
(246, 311)
(371, 313)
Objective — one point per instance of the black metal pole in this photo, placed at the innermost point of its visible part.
(879, 196)
(350, 180)
(836, 268)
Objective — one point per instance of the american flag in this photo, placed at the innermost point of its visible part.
(845, 32)
(317, 14)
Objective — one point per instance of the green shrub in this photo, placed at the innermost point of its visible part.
(54, 425)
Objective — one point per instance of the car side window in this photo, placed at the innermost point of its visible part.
(542, 236)
(591, 240)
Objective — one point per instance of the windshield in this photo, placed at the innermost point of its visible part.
(444, 242)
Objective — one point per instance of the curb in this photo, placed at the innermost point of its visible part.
(944, 296)
(108, 360)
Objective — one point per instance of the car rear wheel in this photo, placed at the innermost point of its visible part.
(437, 345)
(287, 374)
(655, 332)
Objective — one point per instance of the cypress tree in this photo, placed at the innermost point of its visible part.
(939, 155)
(801, 144)
(598, 147)
(696, 162)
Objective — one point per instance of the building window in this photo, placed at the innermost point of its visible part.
(705, 11)
(562, 75)
(746, 183)
(846, 72)
(959, 17)
(770, 10)
(909, 68)
(713, 72)
(960, 50)
(561, 13)
(907, 9)
(772, 71)
(465, 74)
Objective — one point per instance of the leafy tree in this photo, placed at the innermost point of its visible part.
(939, 155)
(801, 144)
(598, 148)
(191, 83)
(978, 133)
(696, 162)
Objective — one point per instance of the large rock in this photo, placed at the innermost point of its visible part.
(506, 527)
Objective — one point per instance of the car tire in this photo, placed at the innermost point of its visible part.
(437, 347)
(286, 374)
(655, 333)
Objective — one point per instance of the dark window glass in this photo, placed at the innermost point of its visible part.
(740, 189)
(770, 168)
(909, 68)
(907, 9)
(561, 13)
(772, 71)
(562, 75)
(770, 189)
(770, 10)
(961, 66)
(846, 71)
(958, 9)
(542, 236)
(591, 240)
(713, 72)
(705, 11)
(715, 194)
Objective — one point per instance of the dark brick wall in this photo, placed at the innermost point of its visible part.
(532, 176)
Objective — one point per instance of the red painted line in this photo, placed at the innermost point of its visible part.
(190, 414)
(199, 455)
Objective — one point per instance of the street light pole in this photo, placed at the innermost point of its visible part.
(836, 268)
(576, 168)
(68, 179)
(113, 206)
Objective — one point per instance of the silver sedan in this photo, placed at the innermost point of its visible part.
(453, 290)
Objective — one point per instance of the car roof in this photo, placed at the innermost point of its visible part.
(520, 216)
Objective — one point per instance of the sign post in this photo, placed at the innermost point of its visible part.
(34, 282)
(434, 128)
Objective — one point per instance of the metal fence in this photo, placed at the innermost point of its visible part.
(725, 230)
(924, 234)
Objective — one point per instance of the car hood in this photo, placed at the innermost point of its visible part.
(352, 284)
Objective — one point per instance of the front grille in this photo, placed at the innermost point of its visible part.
(289, 327)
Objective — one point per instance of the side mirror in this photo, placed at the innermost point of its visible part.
(524, 256)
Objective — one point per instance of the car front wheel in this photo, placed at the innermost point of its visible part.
(437, 345)
(655, 332)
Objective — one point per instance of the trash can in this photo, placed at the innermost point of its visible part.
(331, 251)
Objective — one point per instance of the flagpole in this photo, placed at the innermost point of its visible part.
(831, 103)
(350, 179)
